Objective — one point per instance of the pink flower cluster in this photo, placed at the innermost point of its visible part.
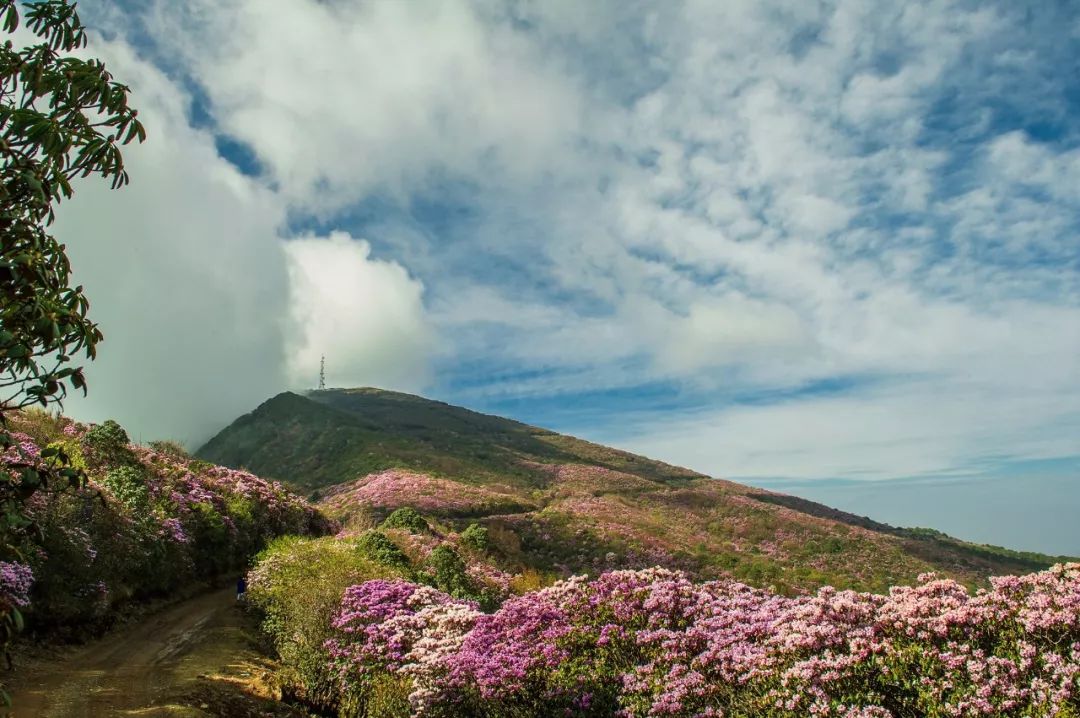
(400, 627)
(16, 580)
(653, 643)
(173, 529)
(23, 451)
(180, 485)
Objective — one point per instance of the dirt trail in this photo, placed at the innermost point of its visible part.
(197, 658)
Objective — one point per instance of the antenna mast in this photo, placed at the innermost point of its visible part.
(322, 373)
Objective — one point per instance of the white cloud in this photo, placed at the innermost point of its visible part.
(196, 286)
(366, 316)
(184, 274)
(339, 99)
(911, 429)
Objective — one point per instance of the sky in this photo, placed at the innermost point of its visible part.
(800, 244)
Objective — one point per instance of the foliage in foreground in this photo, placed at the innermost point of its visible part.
(148, 521)
(61, 117)
(298, 584)
(653, 643)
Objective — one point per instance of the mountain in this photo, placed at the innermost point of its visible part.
(328, 437)
(558, 504)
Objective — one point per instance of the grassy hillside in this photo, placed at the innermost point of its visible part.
(560, 505)
(333, 436)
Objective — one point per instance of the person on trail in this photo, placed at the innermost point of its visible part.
(241, 588)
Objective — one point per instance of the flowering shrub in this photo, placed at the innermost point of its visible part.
(145, 523)
(397, 627)
(653, 643)
(16, 580)
(298, 585)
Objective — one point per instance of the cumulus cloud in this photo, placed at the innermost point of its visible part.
(339, 99)
(207, 305)
(365, 316)
(184, 275)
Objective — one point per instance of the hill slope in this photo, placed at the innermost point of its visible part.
(561, 505)
(337, 435)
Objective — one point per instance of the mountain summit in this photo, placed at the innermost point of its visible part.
(559, 504)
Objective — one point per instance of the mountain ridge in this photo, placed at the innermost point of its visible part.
(576, 506)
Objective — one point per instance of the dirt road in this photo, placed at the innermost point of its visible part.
(197, 658)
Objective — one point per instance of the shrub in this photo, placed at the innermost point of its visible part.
(128, 485)
(164, 522)
(475, 537)
(376, 635)
(406, 519)
(170, 448)
(378, 547)
(107, 444)
(298, 586)
(446, 571)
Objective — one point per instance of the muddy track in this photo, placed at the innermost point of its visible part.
(172, 663)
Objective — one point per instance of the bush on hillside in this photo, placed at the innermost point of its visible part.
(127, 484)
(170, 448)
(475, 537)
(107, 444)
(406, 519)
(298, 585)
(146, 523)
(378, 547)
(447, 571)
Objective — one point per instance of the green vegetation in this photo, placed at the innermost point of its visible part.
(475, 537)
(443, 629)
(408, 519)
(298, 584)
(329, 437)
(377, 546)
(61, 117)
(145, 524)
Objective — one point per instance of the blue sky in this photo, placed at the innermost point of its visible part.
(769, 240)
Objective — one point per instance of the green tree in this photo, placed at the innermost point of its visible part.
(61, 117)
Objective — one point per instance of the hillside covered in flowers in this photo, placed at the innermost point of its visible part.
(561, 506)
(149, 521)
(487, 568)
(382, 631)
